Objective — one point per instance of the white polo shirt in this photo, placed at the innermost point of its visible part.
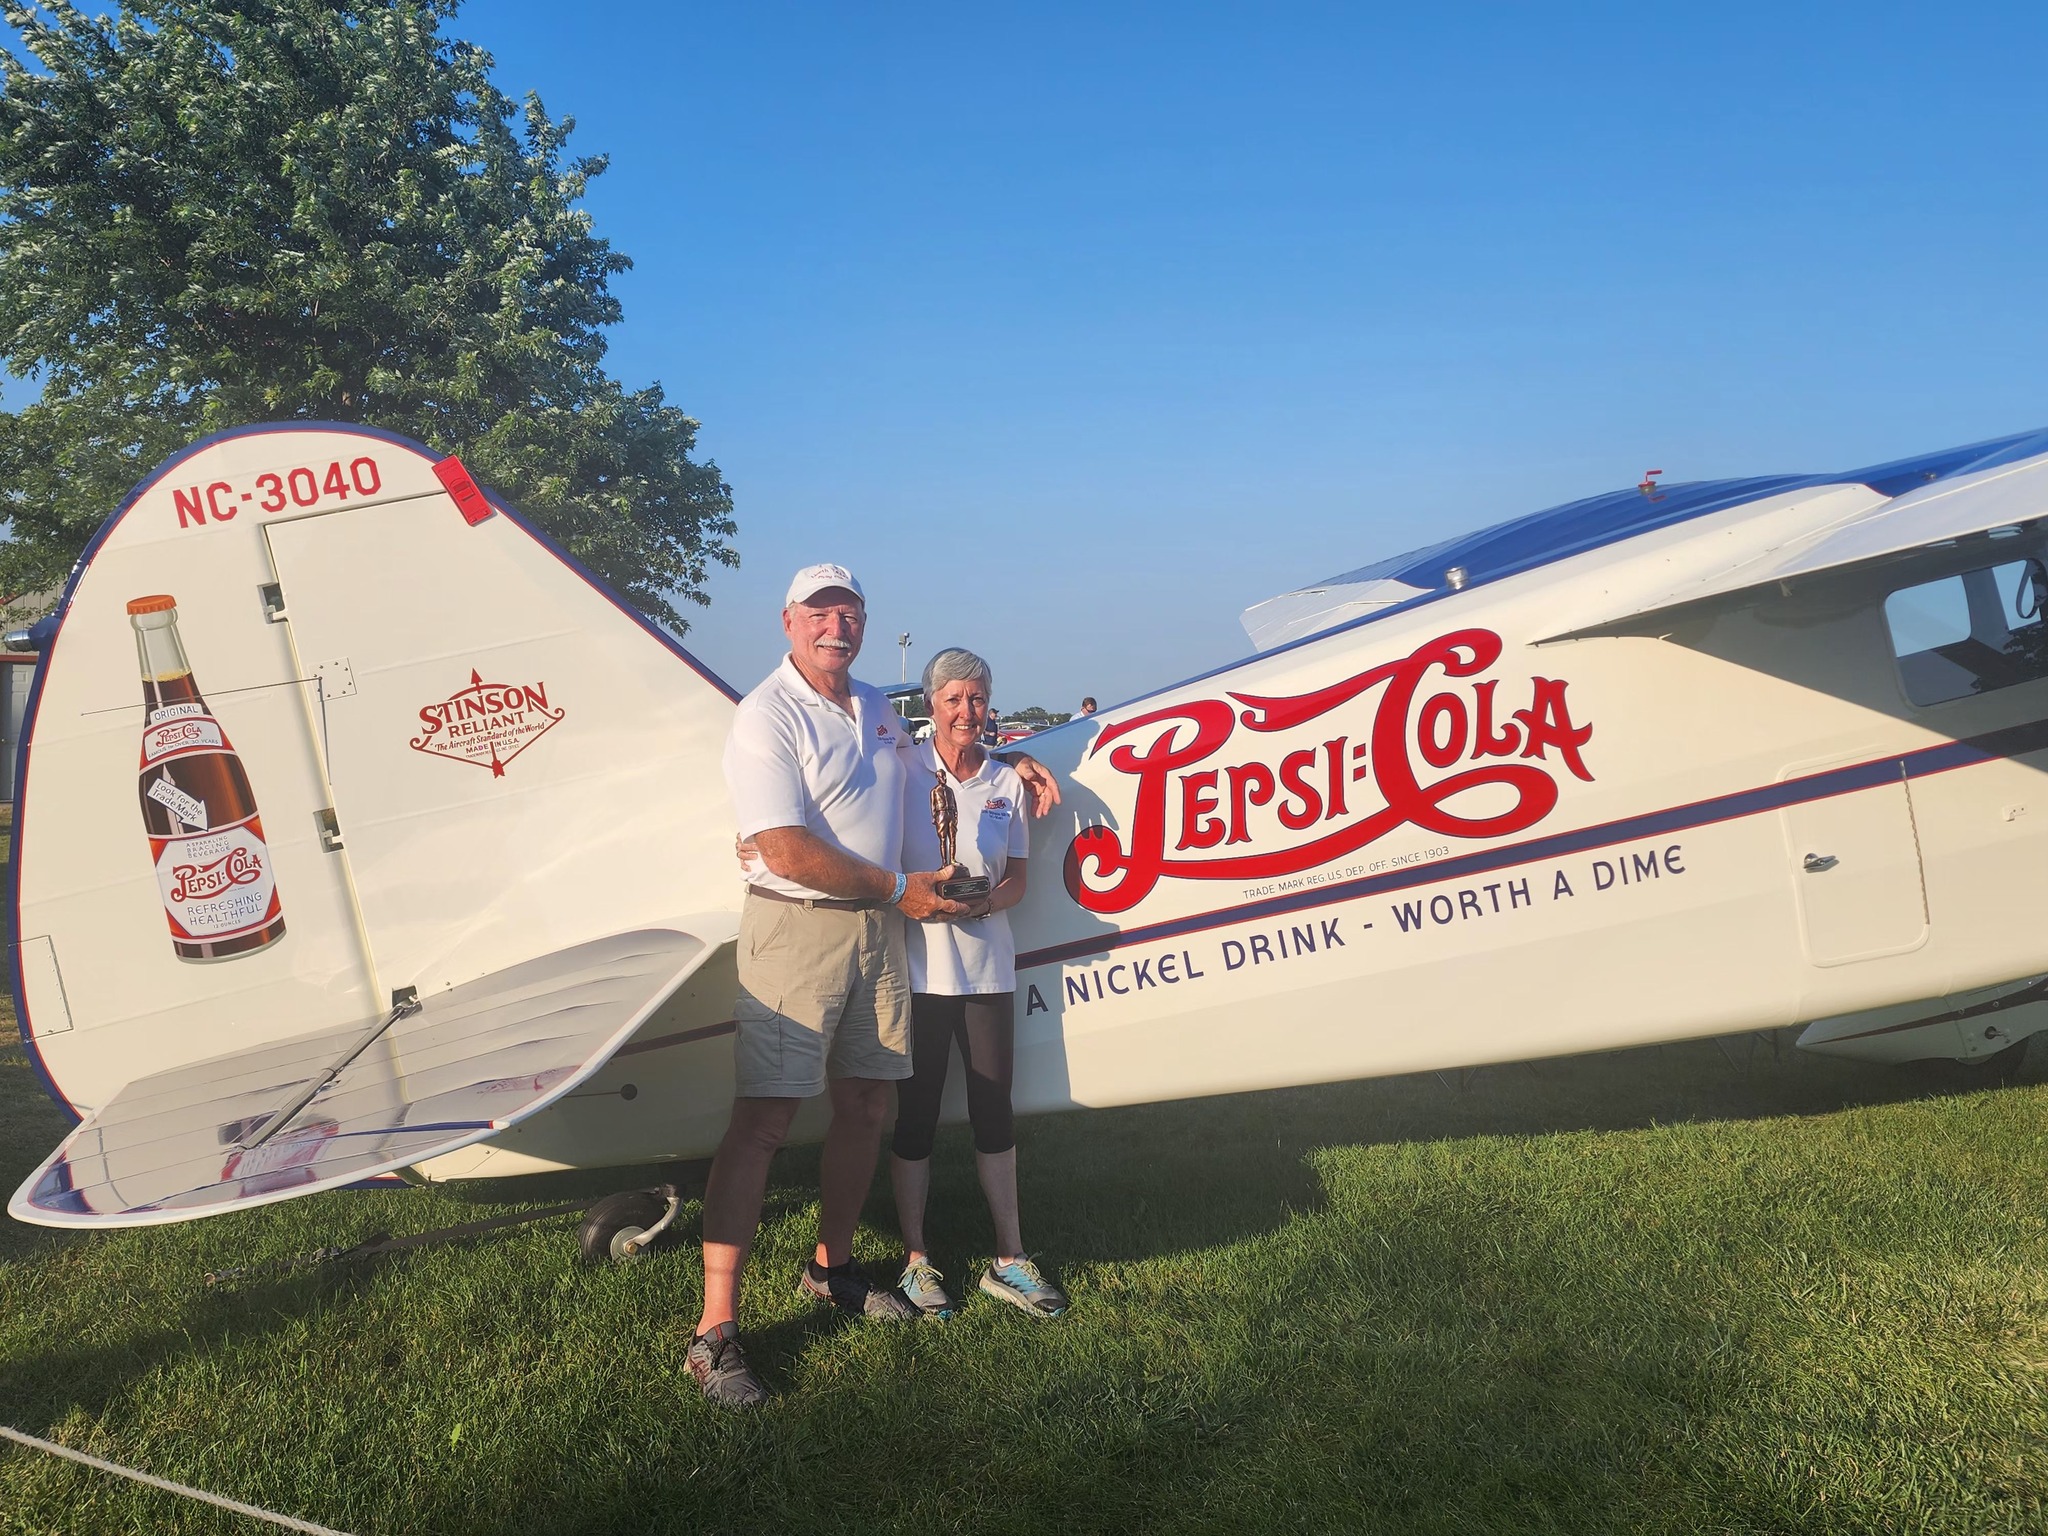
(796, 759)
(959, 959)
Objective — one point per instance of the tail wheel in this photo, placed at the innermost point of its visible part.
(614, 1221)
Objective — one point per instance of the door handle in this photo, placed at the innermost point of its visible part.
(1816, 862)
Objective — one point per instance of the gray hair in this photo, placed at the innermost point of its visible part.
(954, 665)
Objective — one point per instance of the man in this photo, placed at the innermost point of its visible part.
(1088, 706)
(813, 768)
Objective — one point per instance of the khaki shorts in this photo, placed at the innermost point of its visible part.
(823, 992)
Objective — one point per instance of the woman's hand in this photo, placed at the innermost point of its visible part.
(1008, 892)
(1045, 789)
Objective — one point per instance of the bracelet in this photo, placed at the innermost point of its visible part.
(902, 885)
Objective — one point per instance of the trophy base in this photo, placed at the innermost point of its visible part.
(973, 888)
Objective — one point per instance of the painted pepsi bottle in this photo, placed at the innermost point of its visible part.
(205, 836)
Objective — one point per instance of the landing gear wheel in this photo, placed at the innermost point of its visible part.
(608, 1226)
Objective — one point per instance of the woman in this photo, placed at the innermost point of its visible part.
(963, 980)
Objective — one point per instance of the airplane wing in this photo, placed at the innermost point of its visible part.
(1337, 599)
(1504, 549)
(2007, 491)
(1655, 547)
(335, 1105)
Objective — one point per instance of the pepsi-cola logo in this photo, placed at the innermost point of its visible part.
(200, 733)
(1358, 776)
(202, 882)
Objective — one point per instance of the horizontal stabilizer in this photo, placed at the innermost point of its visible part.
(336, 1105)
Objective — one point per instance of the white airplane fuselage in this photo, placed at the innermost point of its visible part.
(1698, 763)
(1618, 794)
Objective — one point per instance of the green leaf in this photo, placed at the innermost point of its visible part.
(218, 212)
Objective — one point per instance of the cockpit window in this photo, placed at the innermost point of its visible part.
(1970, 633)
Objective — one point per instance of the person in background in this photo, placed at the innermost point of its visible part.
(1088, 706)
(963, 983)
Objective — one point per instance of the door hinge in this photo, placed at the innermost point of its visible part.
(328, 829)
(272, 595)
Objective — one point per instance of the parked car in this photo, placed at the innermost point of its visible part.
(1013, 730)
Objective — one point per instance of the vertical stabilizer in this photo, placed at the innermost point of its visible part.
(431, 743)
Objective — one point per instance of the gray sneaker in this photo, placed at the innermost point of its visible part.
(721, 1369)
(1022, 1285)
(847, 1291)
(924, 1288)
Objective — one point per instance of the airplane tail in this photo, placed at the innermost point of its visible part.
(324, 727)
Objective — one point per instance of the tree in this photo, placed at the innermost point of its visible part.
(216, 212)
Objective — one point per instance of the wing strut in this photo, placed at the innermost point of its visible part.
(404, 1008)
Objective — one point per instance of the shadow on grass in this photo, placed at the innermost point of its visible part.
(1161, 1182)
(1541, 1338)
(1124, 1177)
(1126, 1174)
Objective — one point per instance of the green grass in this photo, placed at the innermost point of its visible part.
(1688, 1289)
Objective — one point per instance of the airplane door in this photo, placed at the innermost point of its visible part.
(1856, 867)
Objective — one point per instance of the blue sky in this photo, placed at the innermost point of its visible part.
(1077, 329)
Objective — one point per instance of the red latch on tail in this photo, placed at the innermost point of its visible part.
(469, 500)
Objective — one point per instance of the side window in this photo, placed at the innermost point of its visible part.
(1970, 633)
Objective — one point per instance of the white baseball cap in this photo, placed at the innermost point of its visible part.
(813, 579)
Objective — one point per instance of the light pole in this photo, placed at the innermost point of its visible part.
(903, 672)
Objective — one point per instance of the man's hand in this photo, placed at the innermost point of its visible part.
(922, 902)
(1045, 789)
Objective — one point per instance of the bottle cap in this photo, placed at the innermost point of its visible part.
(161, 603)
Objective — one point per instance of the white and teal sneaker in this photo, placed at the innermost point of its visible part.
(920, 1286)
(1021, 1285)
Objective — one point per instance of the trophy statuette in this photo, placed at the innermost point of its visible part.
(946, 822)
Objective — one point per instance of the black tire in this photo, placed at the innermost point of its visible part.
(614, 1219)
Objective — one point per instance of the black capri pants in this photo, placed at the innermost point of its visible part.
(985, 1024)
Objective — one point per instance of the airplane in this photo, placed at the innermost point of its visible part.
(434, 875)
